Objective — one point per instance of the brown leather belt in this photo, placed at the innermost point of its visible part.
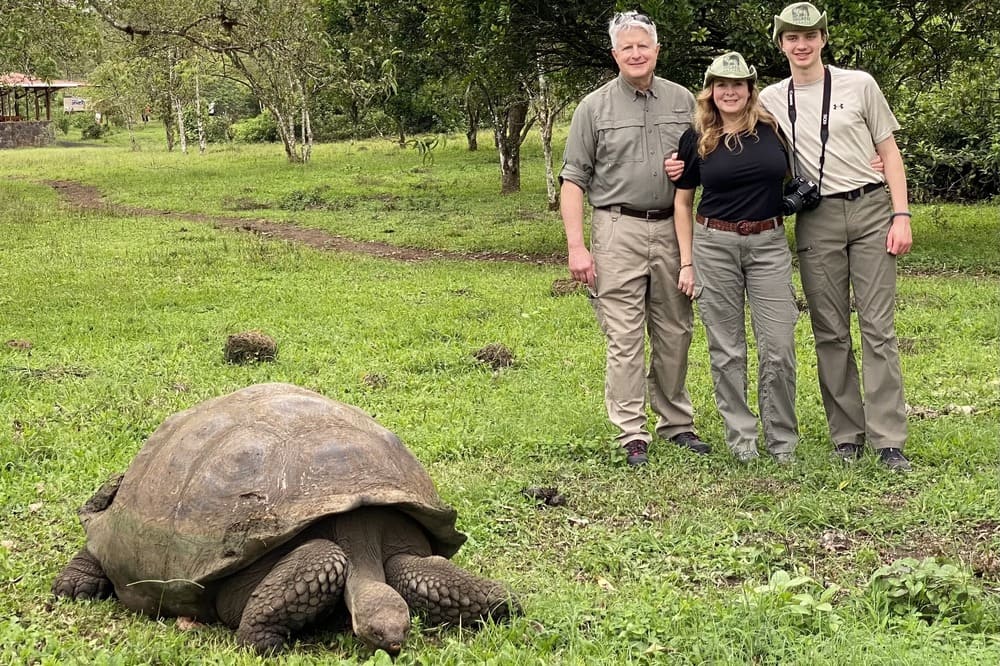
(659, 214)
(855, 194)
(743, 227)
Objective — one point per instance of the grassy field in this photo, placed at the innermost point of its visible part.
(112, 319)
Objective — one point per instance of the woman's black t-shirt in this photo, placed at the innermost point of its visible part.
(745, 184)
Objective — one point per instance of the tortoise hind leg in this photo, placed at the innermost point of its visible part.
(83, 578)
(302, 587)
(446, 594)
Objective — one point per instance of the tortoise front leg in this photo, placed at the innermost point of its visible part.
(301, 587)
(83, 578)
(447, 594)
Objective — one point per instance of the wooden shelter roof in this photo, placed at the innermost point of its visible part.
(15, 103)
(18, 80)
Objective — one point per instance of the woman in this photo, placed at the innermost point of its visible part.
(740, 253)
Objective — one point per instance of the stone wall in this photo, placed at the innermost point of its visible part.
(27, 133)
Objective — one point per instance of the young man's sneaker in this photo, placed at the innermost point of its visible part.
(848, 453)
(746, 456)
(689, 440)
(635, 452)
(894, 460)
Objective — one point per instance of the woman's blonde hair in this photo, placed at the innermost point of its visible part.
(708, 121)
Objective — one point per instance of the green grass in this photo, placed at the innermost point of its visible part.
(126, 316)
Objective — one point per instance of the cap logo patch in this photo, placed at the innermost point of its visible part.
(800, 14)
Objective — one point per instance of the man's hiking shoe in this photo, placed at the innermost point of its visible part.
(635, 452)
(848, 453)
(894, 460)
(689, 440)
(746, 456)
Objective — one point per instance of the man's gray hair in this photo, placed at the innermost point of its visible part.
(628, 20)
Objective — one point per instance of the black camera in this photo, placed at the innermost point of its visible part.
(800, 194)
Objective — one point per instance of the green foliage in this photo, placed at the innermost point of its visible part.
(217, 128)
(259, 129)
(93, 130)
(803, 602)
(63, 122)
(951, 137)
(931, 589)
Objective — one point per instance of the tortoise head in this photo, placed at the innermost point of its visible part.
(380, 617)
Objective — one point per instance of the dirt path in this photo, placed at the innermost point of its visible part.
(88, 197)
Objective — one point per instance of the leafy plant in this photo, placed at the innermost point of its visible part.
(93, 130)
(805, 603)
(259, 129)
(929, 589)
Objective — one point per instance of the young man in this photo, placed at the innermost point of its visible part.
(850, 241)
(617, 140)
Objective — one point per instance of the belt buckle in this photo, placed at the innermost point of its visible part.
(854, 194)
(744, 228)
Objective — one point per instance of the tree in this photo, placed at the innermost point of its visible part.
(277, 46)
(499, 64)
(47, 39)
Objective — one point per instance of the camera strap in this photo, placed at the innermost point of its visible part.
(824, 121)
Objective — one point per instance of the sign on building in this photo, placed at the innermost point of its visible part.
(74, 104)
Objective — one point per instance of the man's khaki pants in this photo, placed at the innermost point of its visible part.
(637, 264)
(841, 245)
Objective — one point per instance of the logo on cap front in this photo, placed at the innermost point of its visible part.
(800, 14)
(731, 65)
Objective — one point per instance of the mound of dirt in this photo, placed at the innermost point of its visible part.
(495, 355)
(249, 347)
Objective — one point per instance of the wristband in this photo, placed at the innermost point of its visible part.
(686, 265)
(900, 214)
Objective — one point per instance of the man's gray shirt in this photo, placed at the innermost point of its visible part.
(619, 138)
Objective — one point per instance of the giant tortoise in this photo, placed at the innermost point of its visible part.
(262, 508)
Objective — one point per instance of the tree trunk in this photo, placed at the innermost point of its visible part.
(307, 134)
(547, 118)
(472, 111)
(199, 120)
(509, 134)
(176, 107)
(551, 191)
(168, 125)
(175, 101)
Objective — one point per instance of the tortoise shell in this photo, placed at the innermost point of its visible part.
(221, 484)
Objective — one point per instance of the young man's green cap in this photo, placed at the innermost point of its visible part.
(799, 16)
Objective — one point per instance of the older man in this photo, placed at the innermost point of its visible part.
(614, 153)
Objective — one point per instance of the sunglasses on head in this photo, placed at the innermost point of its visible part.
(630, 16)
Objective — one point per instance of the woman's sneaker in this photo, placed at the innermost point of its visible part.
(692, 442)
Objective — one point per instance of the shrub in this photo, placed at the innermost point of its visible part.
(63, 123)
(93, 130)
(803, 602)
(951, 138)
(929, 589)
(259, 129)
